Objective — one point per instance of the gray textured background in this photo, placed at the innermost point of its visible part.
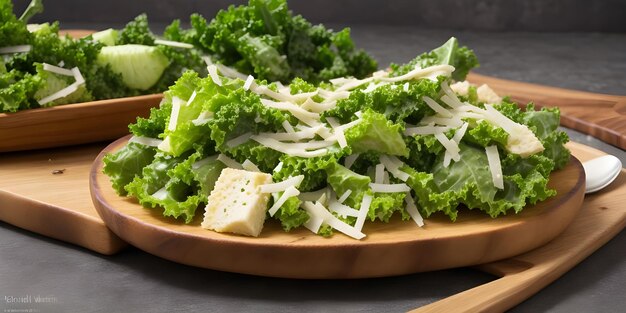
(394, 30)
(495, 15)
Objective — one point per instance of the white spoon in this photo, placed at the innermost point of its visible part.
(601, 172)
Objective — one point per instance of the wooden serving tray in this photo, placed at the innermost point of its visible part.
(394, 248)
(72, 124)
(55, 205)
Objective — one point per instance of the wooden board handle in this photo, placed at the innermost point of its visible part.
(601, 218)
(600, 115)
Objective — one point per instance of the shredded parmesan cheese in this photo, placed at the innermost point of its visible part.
(238, 140)
(450, 146)
(176, 103)
(229, 162)
(78, 81)
(392, 164)
(15, 49)
(278, 167)
(288, 127)
(389, 188)
(57, 70)
(363, 210)
(412, 210)
(203, 162)
(425, 130)
(59, 94)
(312, 195)
(281, 186)
(174, 44)
(291, 191)
(349, 161)
(248, 82)
(342, 210)
(457, 139)
(380, 174)
(295, 149)
(494, 166)
(436, 107)
(214, 76)
(249, 166)
(344, 196)
(146, 141)
(303, 115)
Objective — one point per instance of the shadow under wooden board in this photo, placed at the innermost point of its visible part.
(599, 115)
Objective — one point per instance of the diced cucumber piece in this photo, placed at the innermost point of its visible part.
(106, 37)
(140, 66)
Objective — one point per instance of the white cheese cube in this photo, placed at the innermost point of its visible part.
(461, 88)
(487, 95)
(235, 204)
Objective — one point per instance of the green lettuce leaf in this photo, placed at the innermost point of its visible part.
(376, 133)
(462, 58)
(266, 39)
(123, 166)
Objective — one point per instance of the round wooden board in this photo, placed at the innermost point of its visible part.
(389, 249)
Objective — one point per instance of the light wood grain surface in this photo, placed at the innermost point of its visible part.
(54, 205)
(393, 248)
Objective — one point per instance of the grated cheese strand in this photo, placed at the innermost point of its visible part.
(389, 188)
(288, 127)
(249, 166)
(200, 163)
(248, 83)
(214, 76)
(393, 165)
(494, 166)
(303, 115)
(380, 173)
(174, 44)
(412, 210)
(458, 135)
(342, 210)
(229, 162)
(291, 191)
(191, 98)
(15, 49)
(312, 195)
(146, 141)
(363, 210)
(425, 130)
(294, 149)
(344, 196)
(230, 72)
(349, 161)
(60, 94)
(281, 186)
(436, 107)
(450, 146)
